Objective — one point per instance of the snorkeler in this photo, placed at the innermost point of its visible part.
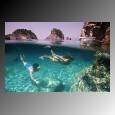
(58, 57)
(51, 58)
(31, 68)
(54, 57)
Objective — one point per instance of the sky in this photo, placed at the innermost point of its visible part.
(43, 29)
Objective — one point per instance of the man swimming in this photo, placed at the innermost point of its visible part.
(31, 68)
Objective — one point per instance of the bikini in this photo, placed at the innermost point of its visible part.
(27, 65)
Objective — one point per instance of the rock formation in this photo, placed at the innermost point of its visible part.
(56, 35)
(97, 76)
(8, 37)
(21, 34)
(98, 33)
(106, 41)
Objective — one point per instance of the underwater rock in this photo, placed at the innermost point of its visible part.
(59, 87)
(105, 86)
(53, 85)
(89, 82)
(95, 78)
(103, 59)
(56, 85)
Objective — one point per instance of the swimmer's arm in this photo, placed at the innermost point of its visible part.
(32, 78)
(22, 59)
(56, 56)
(30, 72)
(52, 52)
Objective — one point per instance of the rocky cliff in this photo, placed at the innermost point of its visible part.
(56, 35)
(99, 32)
(21, 34)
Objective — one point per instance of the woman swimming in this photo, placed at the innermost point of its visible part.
(31, 68)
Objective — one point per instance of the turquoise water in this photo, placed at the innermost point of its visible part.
(61, 75)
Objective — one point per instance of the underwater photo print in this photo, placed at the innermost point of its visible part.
(57, 56)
